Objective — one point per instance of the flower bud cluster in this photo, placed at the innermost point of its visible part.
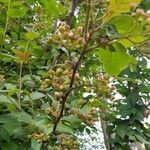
(68, 141)
(39, 137)
(54, 110)
(59, 79)
(88, 118)
(142, 16)
(70, 39)
(100, 85)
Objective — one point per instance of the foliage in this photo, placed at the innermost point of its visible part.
(62, 63)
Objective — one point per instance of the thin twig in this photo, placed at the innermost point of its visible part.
(7, 19)
(20, 84)
(20, 76)
(6, 25)
(87, 21)
(31, 76)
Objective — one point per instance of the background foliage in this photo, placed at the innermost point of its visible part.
(62, 64)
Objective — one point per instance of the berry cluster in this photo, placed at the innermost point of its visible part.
(88, 118)
(39, 137)
(68, 141)
(59, 79)
(100, 85)
(54, 110)
(70, 39)
(142, 16)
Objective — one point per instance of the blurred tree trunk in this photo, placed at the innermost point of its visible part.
(104, 125)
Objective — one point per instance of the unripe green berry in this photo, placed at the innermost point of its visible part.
(47, 81)
(52, 72)
(59, 71)
(80, 29)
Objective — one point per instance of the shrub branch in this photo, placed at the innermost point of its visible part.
(64, 98)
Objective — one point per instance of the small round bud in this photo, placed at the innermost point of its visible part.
(77, 76)
(148, 14)
(88, 89)
(65, 35)
(66, 72)
(104, 40)
(29, 136)
(49, 40)
(80, 40)
(148, 20)
(61, 29)
(133, 6)
(52, 72)
(58, 94)
(140, 11)
(47, 81)
(108, 95)
(71, 35)
(61, 87)
(101, 2)
(59, 71)
(80, 29)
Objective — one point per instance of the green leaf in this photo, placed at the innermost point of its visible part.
(115, 59)
(16, 13)
(64, 128)
(16, 10)
(4, 134)
(121, 130)
(9, 146)
(31, 35)
(142, 140)
(73, 120)
(7, 118)
(126, 25)
(99, 103)
(35, 145)
(37, 95)
(1, 34)
(132, 40)
(126, 79)
(44, 126)
(145, 4)
(129, 30)
(12, 126)
(21, 132)
(52, 8)
(8, 57)
(117, 7)
(7, 100)
(26, 118)
(4, 1)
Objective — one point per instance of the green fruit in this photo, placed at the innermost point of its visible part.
(58, 94)
(88, 89)
(59, 71)
(62, 28)
(52, 72)
(43, 87)
(47, 81)
(80, 29)
(71, 35)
